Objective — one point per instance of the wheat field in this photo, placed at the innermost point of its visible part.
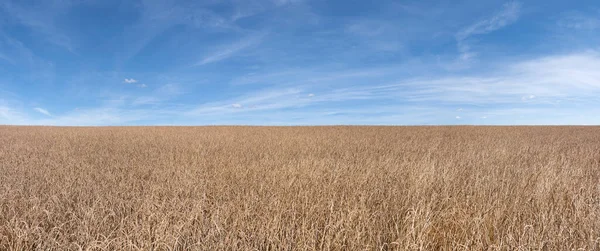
(299, 188)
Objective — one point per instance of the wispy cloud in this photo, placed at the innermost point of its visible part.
(17, 53)
(284, 2)
(367, 28)
(541, 81)
(549, 84)
(321, 74)
(7, 59)
(290, 62)
(377, 34)
(101, 116)
(230, 50)
(158, 95)
(41, 19)
(245, 9)
(158, 16)
(508, 15)
(171, 89)
(580, 21)
(42, 111)
(269, 99)
(9, 115)
(146, 100)
(111, 112)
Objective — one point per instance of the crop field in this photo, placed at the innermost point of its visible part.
(299, 188)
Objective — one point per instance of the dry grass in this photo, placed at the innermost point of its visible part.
(300, 188)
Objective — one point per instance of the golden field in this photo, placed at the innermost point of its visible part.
(299, 188)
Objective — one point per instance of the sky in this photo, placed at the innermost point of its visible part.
(299, 62)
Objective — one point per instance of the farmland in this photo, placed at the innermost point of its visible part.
(299, 188)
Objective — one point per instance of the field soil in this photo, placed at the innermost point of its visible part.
(299, 188)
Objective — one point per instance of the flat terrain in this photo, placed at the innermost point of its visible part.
(300, 188)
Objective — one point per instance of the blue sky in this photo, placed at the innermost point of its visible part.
(299, 62)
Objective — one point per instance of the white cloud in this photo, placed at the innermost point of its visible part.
(42, 111)
(311, 95)
(236, 106)
(525, 98)
(142, 85)
(130, 81)
(457, 117)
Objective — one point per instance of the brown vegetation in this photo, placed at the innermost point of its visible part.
(300, 188)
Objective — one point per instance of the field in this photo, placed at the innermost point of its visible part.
(300, 188)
